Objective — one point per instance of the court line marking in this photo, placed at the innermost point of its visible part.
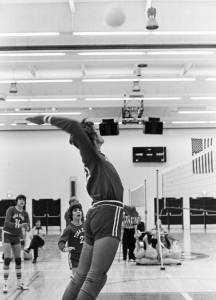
(17, 292)
(185, 295)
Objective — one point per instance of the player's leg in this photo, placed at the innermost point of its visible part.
(6, 265)
(124, 245)
(76, 282)
(106, 228)
(17, 256)
(35, 255)
(101, 262)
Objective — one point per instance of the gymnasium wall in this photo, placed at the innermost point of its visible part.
(40, 163)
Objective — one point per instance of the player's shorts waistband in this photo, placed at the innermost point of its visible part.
(108, 202)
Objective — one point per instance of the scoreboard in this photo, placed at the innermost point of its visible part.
(149, 154)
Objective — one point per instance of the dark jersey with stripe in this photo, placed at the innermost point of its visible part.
(103, 181)
(13, 219)
(74, 236)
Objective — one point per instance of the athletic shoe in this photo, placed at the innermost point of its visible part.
(26, 250)
(34, 260)
(22, 286)
(5, 288)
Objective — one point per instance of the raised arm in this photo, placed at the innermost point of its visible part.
(72, 127)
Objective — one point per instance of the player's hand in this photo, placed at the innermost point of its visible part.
(39, 120)
(24, 225)
(71, 248)
(67, 249)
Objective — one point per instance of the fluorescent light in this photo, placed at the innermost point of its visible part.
(133, 79)
(32, 54)
(131, 98)
(36, 113)
(39, 99)
(24, 34)
(90, 33)
(112, 53)
(180, 52)
(169, 79)
(197, 112)
(203, 98)
(2, 124)
(193, 122)
(36, 80)
(19, 114)
(64, 113)
(211, 79)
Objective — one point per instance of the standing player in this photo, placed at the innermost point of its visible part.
(16, 220)
(103, 220)
(73, 236)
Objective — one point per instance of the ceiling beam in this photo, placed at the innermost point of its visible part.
(106, 47)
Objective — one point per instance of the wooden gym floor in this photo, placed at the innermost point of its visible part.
(194, 280)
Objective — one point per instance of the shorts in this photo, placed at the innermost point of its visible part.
(73, 260)
(102, 220)
(10, 239)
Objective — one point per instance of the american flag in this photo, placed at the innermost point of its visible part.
(202, 156)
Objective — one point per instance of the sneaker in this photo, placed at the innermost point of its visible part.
(27, 250)
(5, 288)
(34, 260)
(22, 286)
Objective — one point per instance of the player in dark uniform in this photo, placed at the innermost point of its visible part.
(16, 220)
(103, 220)
(72, 239)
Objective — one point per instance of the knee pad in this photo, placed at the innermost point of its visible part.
(74, 286)
(7, 261)
(93, 285)
(18, 261)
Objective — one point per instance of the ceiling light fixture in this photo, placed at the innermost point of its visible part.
(40, 99)
(111, 53)
(13, 88)
(197, 112)
(24, 34)
(91, 33)
(211, 79)
(193, 122)
(36, 113)
(180, 52)
(203, 98)
(132, 79)
(32, 54)
(129, 98)
(37, 81)
(152, 23)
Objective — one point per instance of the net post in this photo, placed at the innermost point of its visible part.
(145, 203)
(157, 223)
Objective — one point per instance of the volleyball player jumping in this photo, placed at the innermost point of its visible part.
(103, 220)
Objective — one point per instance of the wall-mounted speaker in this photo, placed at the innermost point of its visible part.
(109, 127)
(153, 126)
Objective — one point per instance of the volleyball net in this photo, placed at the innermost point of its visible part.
(137, 198)
(193, 178)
